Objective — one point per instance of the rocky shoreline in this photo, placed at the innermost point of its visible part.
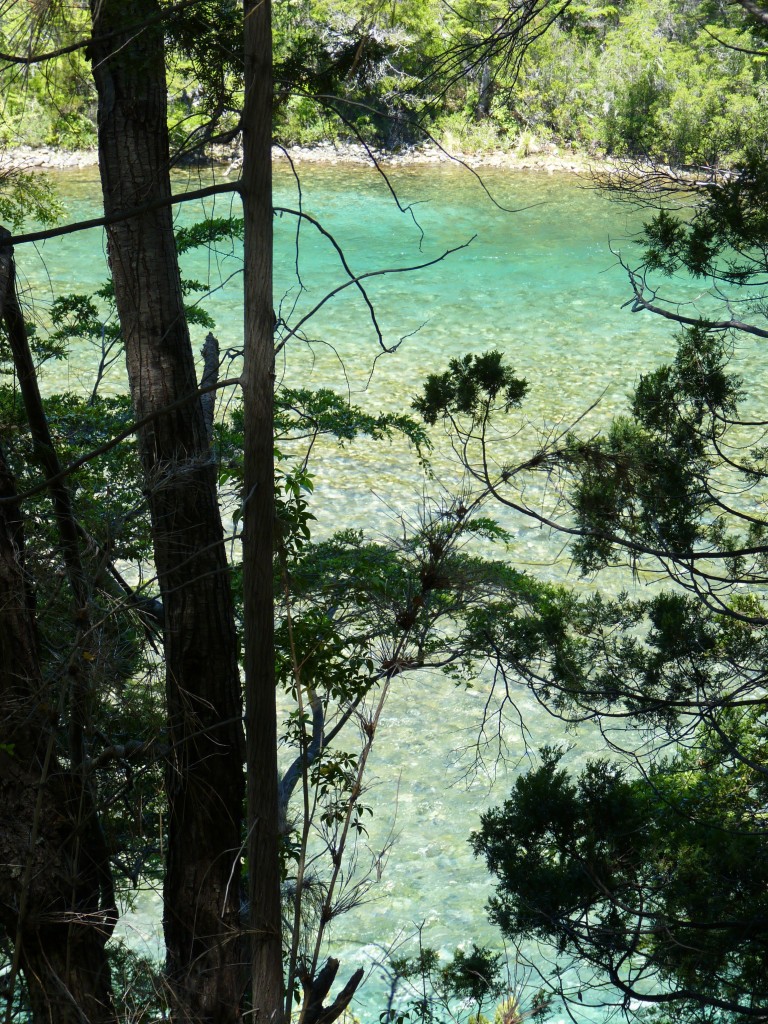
(546, 158)
(540, 158)
(44, 158)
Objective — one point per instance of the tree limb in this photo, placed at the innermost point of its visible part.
(117, 218)
(756, 10)
(210, 353)
(81, 44)
(317, 988)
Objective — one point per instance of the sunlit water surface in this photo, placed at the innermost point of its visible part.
(542, 285)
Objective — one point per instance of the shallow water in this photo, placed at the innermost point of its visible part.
(542, 285)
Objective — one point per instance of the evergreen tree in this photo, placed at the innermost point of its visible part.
(647, 879)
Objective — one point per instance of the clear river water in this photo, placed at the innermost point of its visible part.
(542, 285)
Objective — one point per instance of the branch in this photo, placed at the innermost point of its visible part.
(640, 303)
(756, 10)
(39, 58)
(46, 455)
(131, 750)
(356, 279)
(316, 989)
(117, 218)
(678, 995)
(353, 279)
(327, 101)
(210, 354)
(81, 44)
(43, 446)
(302, 763)
(686, 559)
(508, 41)
(734, 47)
(644, 184)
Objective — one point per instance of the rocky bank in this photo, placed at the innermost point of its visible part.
(545, 158)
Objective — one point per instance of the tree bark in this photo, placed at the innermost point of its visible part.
(258, 519)
(51, 890)
(204, 776)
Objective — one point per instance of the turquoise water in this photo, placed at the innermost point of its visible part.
(542, 285)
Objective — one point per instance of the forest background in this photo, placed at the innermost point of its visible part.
(122, 762)
(680, 82)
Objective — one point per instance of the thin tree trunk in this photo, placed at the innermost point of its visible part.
(204, 776)
(56, 898)
(53, 912)
(258, 518)
(66, 523)
(54, 917)
(71, 887)
(485, 91)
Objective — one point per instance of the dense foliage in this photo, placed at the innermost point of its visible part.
(685, 83)
(654, 885)
(642, 869)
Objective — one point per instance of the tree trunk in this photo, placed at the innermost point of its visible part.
(258, 518)
(484, 92)
(204, 776)
(54, 917)
(55, 901)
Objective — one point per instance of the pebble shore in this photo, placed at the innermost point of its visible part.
(43, 158)
(543, 158)
(549, 159)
